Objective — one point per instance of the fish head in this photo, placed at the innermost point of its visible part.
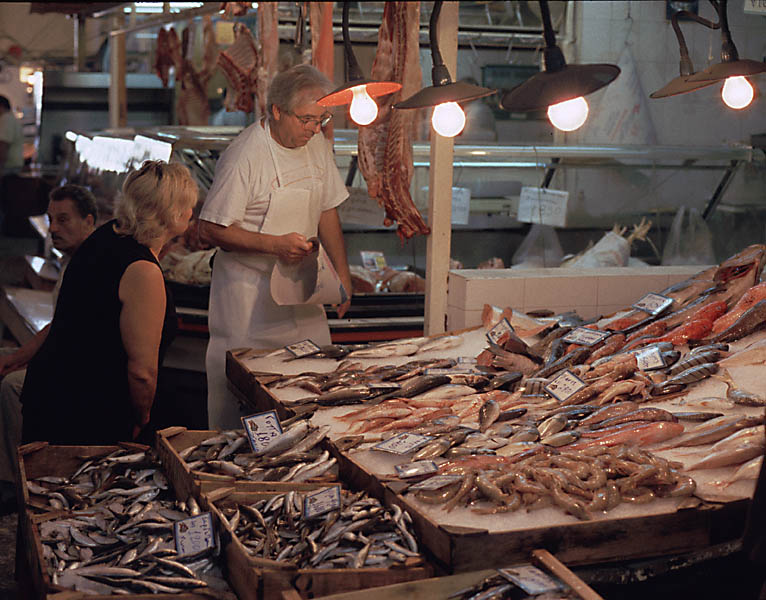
(747, 263)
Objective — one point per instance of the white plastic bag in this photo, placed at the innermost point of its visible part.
(689, 241)
(540, 249)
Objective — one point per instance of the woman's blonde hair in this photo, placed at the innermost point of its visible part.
(153, 199)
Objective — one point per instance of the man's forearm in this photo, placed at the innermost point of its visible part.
(234, 238)
(331, 236)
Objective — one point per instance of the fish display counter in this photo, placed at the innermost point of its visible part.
(636, 435)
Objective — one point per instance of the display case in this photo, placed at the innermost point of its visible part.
(606, 185)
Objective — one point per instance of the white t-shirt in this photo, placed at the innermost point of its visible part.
(245, 176)
(10, 133)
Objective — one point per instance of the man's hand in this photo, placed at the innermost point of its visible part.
(9, 363)
(291, 247)
(342, 308)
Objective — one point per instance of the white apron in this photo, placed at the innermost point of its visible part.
(242, 312)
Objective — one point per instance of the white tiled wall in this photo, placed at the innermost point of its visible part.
(590, 292)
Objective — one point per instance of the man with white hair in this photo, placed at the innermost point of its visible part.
(276, 187)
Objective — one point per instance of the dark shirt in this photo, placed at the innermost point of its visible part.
(76, 389)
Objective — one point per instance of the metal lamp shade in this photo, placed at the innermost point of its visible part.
(552, 87)
(439, 94)
(724, 70)
(344, 95)
(680, 85)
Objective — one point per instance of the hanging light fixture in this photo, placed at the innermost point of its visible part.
(737, 92)
(560, 87)
(682, 83)
(358, 91)
(448, 118)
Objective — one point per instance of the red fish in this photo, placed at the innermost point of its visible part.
(642, 434)
(691, 330)
(751, 297)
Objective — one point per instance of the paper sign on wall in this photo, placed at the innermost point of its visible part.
(544, 206)
(461, 205)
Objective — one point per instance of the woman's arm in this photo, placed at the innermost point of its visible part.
(142, 293)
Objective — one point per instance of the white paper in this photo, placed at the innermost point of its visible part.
(261, 429)
(544, 206)
(653, 303)
(461, 205)
(313, 280)
(564, 386)
(321, 502)
(194, 535)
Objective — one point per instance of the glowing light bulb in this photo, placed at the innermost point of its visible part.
(568, 115)
(448, 119)
(737, 92)
(363, 108)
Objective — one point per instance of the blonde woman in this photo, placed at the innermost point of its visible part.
(94, 379)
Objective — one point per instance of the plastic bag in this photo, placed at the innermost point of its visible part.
(539, 249)
(690, 241)
(612, 250)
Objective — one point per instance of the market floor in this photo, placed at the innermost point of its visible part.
(8, 590)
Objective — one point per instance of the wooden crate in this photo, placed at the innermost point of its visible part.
(251, 387)
(37, 460)
(172, 440)
(459, 549)
(255, 578)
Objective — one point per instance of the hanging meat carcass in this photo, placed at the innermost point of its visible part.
(385, 147)
(268, 57)
(163, 59)
(239, 63)
(193, 107)
(322, 44)
(235, 9)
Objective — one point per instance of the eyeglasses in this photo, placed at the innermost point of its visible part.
(312, 122)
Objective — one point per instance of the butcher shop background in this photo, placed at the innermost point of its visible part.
(634, 34)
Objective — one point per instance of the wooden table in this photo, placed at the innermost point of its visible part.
(25, 312)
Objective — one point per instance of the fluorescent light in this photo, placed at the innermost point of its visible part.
(156, 7)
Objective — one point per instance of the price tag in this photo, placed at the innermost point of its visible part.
(261, 428)
(499, 330)
(404, 443)
(466, 360)
(542, 205)
(650, 358)
(373, 259)
(321, 502)
(531, 579)
(564, 386)
(194, 535)
(654, 304)
(585, 337)
(453, 371)
(435, 482)
(414, 469)
(304, 348)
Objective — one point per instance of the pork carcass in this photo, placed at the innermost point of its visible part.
(385, 147)
(239, 63)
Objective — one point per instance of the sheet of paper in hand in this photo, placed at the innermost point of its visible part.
(313, 280)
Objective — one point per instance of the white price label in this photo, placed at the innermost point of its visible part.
(654, 304)
(436, 482)
(404, 443)
(414, 469)
(301, 349)
(544, 206)
(564, 386)
(650, 358)
(373, 259)
(499, 330)
(467, 360)
(321, 502)
(585, 337)
(261, 429)
(194, 535)
(453, 371)
(531, 579)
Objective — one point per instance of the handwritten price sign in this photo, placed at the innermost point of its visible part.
(261, 428)
(654, 304)
(564, 386)
(499, 330)
(321, 502)
(650, 358)
(531, 579)
(585, 337)
(301, 349)
(414, 469)
(404, 443)
(194, 535)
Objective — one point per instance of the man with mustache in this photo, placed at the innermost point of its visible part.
(72, 213)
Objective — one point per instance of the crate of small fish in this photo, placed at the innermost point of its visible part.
(103, 520)
(199, 461)
(321, 541)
